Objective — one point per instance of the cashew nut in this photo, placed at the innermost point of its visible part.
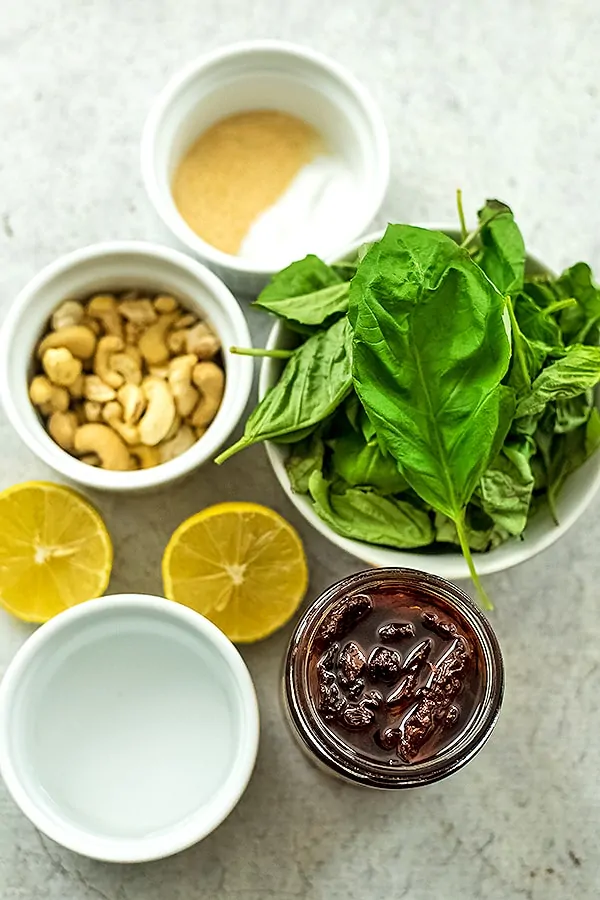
(183, 440)
(152, 343)
(76, 389)
(90, 459)
(95, 389)
(133, 400)
(61, 367)
(210, 381)
(187, 320)
(202, 341)
(47, 396)
(62, 427)
(92, 410)
(180, 382)
(71, 312)
(175, 426)
(176, 342)
(106, 443)
(104, 308)
(79, 340)
(146, 457)
(113, 416)
(126, 367)
(139, 312)
(107, 346)
(158, 418)
(164, 303)
(93, 324)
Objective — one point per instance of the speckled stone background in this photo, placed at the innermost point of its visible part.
(499, 97)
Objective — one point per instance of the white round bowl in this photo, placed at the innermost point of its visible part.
(128, 728)
(265, 74)
(117, 266)
(578, 492)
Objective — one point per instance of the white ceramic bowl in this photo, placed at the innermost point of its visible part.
(265, 75)
(128, 728)
(116, 266)
(579, 490)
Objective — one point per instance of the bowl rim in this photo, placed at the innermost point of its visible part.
(104, 479)
(188, 831)
(449, 565)
(181, 79)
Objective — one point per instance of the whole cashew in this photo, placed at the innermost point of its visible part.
(71, 312)
(79, 340)
(210, 381)
(183, 440)
(62, 427)
(187, 320)
(106, 443)
(47, 396)
(125, 366)
(146, 457)
(113, 416)
(158, 418)
(61, 367)
(139, 312)
(107, 346)
(180, 381)
(202, 341)
(95, 389)
(92, 410)
(133, 400)
(152, 343)
(164, 303)
(104, 308)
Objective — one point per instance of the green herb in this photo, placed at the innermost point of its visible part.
(314, 382)
(308, 293)
(367, 516)
(473, 379)
(432, 393)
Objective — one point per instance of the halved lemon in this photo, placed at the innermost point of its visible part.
(239, 564)
(55, 550)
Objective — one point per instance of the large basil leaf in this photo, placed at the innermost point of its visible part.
(506, 486)
(430, 351)
(573, 374)
(305, 458)
(535, 323)
(307, 293)
(361, 463)
(502, 255)
(367, 516)
(573, 413)
(316, 379)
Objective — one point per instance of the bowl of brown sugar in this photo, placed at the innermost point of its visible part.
(262, 152)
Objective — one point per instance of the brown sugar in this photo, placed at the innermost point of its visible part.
(238, 168)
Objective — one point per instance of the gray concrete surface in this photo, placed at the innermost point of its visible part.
(500, 98)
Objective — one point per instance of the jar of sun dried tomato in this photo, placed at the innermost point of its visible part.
(393, 679)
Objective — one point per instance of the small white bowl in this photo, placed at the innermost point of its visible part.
(578, 492)
(128, 728)
(265, 75)
(117, 266)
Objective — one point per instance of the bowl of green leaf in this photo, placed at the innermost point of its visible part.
(428, 400)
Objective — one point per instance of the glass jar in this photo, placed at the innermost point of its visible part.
(393, 679)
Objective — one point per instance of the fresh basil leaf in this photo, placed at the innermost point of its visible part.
(579, 324)
(305, 458)
(308, 293)
(430, 351)
(361, 463)
(506, 486)
(574, 374)
(502, 255)
(315, 381)
(367, 516)
(574, 412)
(535, 323)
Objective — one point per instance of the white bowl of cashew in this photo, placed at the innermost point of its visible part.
(111, 267)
